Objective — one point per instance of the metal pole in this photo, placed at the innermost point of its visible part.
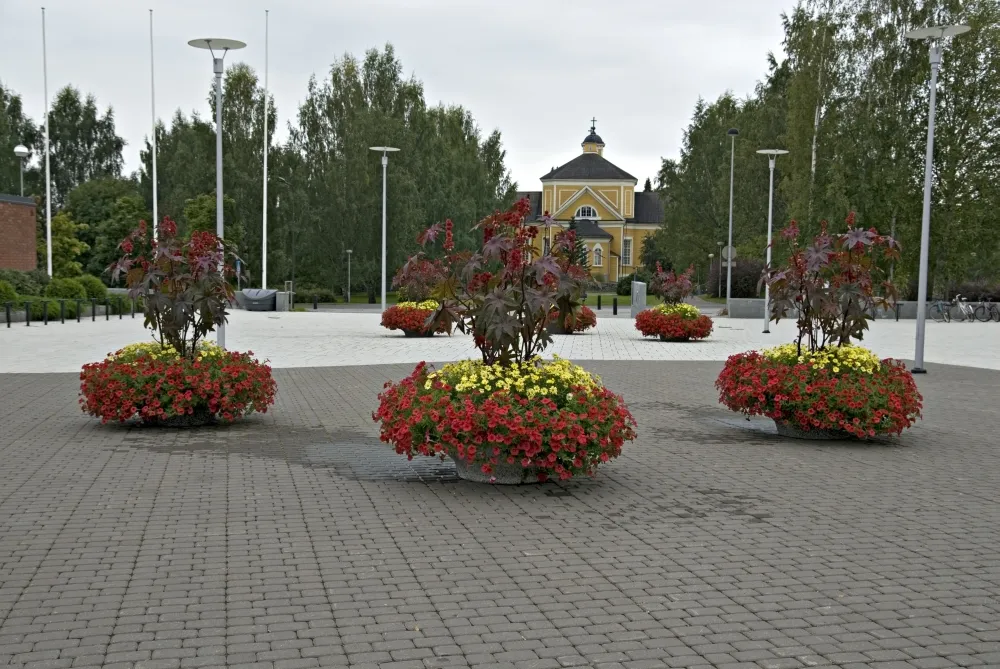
(385, 164)
(720, 276)
(925, 224)
(263, 265)
(152, 97)
(729, 267)
(48, 176)
(770, 217)
(22, 177)
(221, 331)
(348, 278)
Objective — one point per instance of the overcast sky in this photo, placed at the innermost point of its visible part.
(536, 69)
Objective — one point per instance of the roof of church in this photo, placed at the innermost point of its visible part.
(648, 206)
(593, 138)
(589, 166)
(588, 229)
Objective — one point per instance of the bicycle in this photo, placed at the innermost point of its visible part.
(987, 311)
(940, 311)
(965, 310)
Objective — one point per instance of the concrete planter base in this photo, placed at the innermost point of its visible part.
(199, 418)
(417, 333)
(503, 474)
(788, 430)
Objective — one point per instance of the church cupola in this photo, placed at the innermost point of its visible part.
(593, 143)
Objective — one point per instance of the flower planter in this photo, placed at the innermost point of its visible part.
(199, 418)
(418, 333)
(674, 323)
(786, 429)
(585, 319)
(674, 339)
(502, 474)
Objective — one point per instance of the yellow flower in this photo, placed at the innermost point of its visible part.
(426, 305)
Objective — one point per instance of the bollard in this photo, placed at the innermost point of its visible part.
(93, 309)
(133, 307)
(897, 312)
(315, 301)
(107, 308)
(45, 312)
(6, 308)
(120, 309)
(62, 311)
(598, 302)
(78, 310)
(27, 313)
(614, 306)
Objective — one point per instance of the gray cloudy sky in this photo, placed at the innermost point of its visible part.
(536, 69)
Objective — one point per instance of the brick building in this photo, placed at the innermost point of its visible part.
(17, 232)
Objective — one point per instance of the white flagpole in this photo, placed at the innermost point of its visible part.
(48, 179)
(152, 97)
(263, 264)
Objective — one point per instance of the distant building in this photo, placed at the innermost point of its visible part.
(612, 218)
(17, 233)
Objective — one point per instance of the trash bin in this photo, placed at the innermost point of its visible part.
(258, 299)
(282, 301)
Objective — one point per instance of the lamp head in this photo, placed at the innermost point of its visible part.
(733, 131)
(383, 149)
(21, 151)
(772, 152)
(936, 32)
(220, 43)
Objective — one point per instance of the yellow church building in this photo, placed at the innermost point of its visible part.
(612, 217)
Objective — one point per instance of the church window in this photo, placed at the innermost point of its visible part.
(586, 211)
(598, 257)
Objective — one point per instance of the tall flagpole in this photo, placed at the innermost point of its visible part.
(263, 263)
(48, 178)
(152, 97)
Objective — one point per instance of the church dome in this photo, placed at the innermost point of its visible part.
(593, 138)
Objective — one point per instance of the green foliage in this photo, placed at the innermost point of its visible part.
(746, 279)
(325, 295)
(7, 292)
(25, 283)
(199, 215)
(624, 286)
(66, 246)
(577, 256)
(123, 215)
(70, 289)
(92, 204)
(15, 128)
(655, 249)
(93, 286)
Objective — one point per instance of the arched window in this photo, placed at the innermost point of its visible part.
(598, 257)
(586, 211)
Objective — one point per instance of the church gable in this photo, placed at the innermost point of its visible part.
(587, 203)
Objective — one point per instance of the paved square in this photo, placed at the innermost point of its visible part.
(296, 540)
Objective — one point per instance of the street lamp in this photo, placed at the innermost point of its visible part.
(349, 276)
(385, 164)
(225, 46)
(22, 152)
(733, 132)
(933, 35)
(709, 276)
(772, 155)
(720, 270)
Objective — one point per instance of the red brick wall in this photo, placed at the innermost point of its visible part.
(17, 234)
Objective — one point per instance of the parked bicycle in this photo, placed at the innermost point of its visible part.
(959, 308)
(987, 311)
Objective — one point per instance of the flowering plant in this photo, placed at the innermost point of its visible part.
(669, 286)
(409, 316)
(677, 321)
(842, 389)
(158, 383)
(554, 419)
(834, 284)
(417, 279)
(182, 283)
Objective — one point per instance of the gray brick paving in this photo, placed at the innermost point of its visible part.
(296, 540)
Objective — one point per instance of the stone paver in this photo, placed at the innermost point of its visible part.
(295, 539)
(338, 338)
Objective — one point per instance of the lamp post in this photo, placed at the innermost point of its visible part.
(349, 276)
(708, 276)
(720, 270)
(22, 152)
(225, 46)
(772, 155)
(386, 150)
(733, 132)
(933, 35)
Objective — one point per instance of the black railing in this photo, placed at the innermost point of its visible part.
(118, 305)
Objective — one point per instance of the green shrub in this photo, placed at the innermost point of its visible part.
(746, 279)
(95, 287)
(69, 289)
(25, 283)
(307, 295)
(625, 282)
(7, 292)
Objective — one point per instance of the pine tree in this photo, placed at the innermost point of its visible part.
(580, 253)
(649, 185)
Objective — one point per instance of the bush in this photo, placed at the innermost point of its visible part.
(674, 322)
(70, 289)
(974, 291)
(156, 383)
(552, 418)
(93, 286)
(7, 292)
(746, 278)
(582, 320)
(844, 388)
(306, 295)
(26, 283)
(624, 286)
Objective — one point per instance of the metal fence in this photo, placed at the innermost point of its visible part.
(21, 311)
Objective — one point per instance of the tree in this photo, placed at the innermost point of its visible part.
(579, 256)
(648, 185)
(185, 162)
(66, 247)
(91, 204)
(199, 215)
(15, 128)
(655, 249)
(84, 143)
(123, 217)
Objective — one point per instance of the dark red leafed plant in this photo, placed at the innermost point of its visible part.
(669, 286)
